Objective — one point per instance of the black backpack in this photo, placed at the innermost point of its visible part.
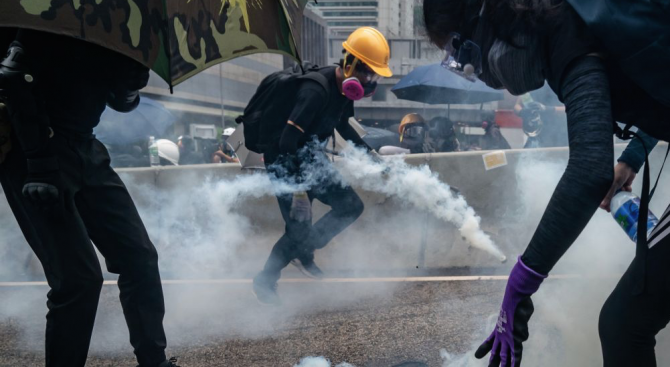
(268, 111)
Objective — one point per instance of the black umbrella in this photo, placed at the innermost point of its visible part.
(434, 84)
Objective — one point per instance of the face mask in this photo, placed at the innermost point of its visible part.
(353, 89)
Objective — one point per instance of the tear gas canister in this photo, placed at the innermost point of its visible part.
(625, 208)
(153, 152)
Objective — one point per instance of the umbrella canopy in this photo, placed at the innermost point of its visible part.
(150, 118)
(176, 38)
(434, 84)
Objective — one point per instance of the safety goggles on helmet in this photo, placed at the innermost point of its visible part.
(416, 131)
(463, 57)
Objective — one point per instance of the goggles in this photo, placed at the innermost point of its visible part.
(463, 57)
(367, 74)
(414, 132)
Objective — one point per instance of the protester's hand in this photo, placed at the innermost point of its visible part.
(134, 76)
(511, 330)
(505, 344)
(623, 180)
(301, 207)
(42, 184)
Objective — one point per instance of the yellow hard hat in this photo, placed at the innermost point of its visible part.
(412, 118)
(370, 46)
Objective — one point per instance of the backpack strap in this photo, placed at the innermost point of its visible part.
(319, 78)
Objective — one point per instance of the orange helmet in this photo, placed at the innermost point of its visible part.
(370, 47)
(412, 118)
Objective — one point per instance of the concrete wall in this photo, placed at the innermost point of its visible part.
(390, 235)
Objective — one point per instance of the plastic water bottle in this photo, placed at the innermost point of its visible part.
(625, 208)
(153, 152)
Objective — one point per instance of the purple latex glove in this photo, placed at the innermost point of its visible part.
(512, 326)
(301, 207)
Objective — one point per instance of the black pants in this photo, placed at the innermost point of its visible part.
(629, 323)
(96, 207)
(300, 240)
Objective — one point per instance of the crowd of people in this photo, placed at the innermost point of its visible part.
(186, 151)
(56, 173)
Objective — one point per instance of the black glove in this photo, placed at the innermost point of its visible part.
(135, 76)
(131, 77)
(42, 186)
(522, 315)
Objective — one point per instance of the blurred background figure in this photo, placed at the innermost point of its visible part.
(413, 132)
(544, 119)
(442, 135)
(187, 153)
(493, 138)
(222, 152)
(168, 152)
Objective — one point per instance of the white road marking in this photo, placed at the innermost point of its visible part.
(466, 278)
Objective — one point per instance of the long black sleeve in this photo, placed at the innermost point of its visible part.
(310, 100)
(589, 173)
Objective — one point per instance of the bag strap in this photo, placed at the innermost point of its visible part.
(642, 248)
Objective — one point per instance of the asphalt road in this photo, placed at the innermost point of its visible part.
(376, 324)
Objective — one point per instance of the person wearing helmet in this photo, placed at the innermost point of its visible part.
(168, 152)
(413, 131)
(68, 200)
(225, 153)
(317, 112)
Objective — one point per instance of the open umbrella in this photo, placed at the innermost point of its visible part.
(150, 118)
(434, 84)
(176, 38)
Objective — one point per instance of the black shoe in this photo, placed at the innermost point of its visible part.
(266, 292)
(172, 362)
(309, 269)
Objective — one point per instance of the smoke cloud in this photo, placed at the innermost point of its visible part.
(564, 327)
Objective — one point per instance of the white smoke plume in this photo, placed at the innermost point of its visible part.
(420, 187)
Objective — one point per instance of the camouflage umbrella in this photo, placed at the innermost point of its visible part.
(176, 38)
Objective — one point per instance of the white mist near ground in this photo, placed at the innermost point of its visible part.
(319, 362)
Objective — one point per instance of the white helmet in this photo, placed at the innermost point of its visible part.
(168, 150)
(228, 132)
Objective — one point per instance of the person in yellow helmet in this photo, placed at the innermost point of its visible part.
(413, 132)
(323, 103)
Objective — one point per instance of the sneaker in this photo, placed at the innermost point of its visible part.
(266, 292)
(309, 269)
